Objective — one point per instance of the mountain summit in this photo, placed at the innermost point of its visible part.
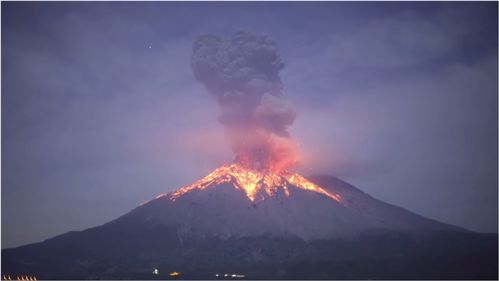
(262, 225)
(234, 201)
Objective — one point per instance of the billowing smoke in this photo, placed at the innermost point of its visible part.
(242, 72)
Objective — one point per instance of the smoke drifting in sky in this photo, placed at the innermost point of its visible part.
(242, 72)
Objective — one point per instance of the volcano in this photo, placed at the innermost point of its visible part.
(243, 223)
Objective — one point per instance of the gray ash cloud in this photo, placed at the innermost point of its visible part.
(242, 73)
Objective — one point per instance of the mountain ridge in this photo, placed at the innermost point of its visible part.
(220, 229)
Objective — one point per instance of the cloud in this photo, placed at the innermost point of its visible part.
(242, 72)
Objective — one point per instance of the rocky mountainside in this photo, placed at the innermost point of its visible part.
(287, 233)
(222, 210)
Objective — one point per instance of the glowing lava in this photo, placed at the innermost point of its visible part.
(252, 182)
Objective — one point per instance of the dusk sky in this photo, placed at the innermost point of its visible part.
(101, 110)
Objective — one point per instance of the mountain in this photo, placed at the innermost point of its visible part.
(262, 226)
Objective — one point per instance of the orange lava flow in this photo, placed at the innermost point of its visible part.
(252, 182)
(157, 197)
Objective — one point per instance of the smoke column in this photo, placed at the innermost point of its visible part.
(242, 73)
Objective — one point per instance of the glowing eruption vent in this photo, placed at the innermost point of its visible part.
(252, 182)
(242, 72)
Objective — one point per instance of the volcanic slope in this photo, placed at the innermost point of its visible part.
(264, 226)
(233, 201)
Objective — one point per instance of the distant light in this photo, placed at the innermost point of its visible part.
(238, 275)
(155, 271)
(174, 273)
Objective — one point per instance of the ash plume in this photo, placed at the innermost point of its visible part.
(242, 73)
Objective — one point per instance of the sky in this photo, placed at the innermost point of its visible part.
(100, 110)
